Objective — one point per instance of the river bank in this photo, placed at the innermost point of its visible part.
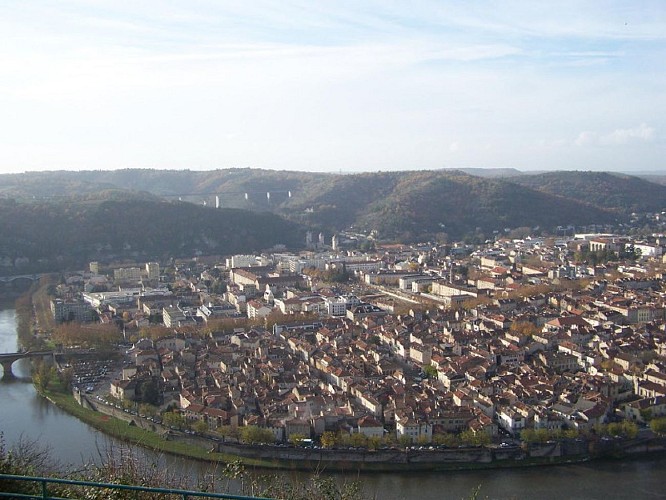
(143, 432)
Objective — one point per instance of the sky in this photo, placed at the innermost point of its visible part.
(332, 85)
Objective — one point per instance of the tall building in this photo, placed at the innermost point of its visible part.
(153, 270)
(94, 267)
(71, 311)
(335, 243)
(127, 274)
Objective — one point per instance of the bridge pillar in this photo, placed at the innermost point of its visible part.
(7, 368)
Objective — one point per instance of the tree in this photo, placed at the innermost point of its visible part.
(155, 332)
(297, 439)
(658, 425)
(430, 371)
(524, 328)
(228, 431)
(446, 439)
(173, 419)
(148, 391)
(570, 433)
(374, 442)
(528, 436)
(328, 439)
(422, 440)
(43, 376)
(629, 429)
(89, 335)
(404, 441)
(200, 426)
(359, 440)
(65, 376)
(252, 434)
(148, 409)
(474, 438)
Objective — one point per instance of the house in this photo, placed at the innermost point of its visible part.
(295, 426)
(641, 409)
(256, 309)
(413, 429)
(124, 390)
(511, 420)
(370, 427)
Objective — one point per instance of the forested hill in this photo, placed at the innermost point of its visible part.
(47, 235)
(618, 192)
(404, 205)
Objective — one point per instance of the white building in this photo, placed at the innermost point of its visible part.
(153, 271)
(127, 274)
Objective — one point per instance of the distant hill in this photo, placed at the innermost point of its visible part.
(398, 205)
(492, 172)
(459, 204)
(656, 178)
(49, 235)
(618, 192)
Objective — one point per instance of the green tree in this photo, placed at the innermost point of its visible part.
(422, 440)
(328, 439)
(148, 391)
(200, 426)
(404, 441)
(658, 425)
(297, 439)
(252, 434)
(474, 438)
(66, 376)
(43, 376)
(148, 409)
(430, 371)
(629, 429)
(571, 433)
(528, 436)
(359, 440)
(446, 439)
(374, 442)
(173, 419)
(543, 435)
(229, 431)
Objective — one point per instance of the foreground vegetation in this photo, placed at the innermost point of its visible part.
(122, 467)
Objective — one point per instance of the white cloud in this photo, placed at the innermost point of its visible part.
(642, 133)
(586, 138)
(618, 137)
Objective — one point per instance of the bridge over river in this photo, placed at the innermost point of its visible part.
(7, 359)
(18, 277)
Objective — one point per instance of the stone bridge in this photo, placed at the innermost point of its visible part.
(9, 279)
(7, 359)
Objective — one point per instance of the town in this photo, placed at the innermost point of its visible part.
(530, 338)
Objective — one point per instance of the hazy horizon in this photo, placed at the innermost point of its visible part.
(330, 87)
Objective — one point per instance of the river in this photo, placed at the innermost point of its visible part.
(25, 415)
